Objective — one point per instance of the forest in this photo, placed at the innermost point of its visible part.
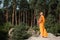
(23, 14)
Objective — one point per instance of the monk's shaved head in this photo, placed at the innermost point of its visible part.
(41, 13)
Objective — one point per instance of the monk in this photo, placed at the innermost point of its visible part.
(41, 22)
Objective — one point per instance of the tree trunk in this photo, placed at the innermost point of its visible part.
(26, 18)
(23, 17)
(34, 17)
(59, 18)
(6, 15)
(15, 17)
(19, 18)
(31, 19)
(14, 12)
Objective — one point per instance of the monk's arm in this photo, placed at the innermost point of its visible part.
(39, 20)
(43, 19)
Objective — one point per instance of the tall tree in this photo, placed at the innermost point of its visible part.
(14, 12)
(58, 10)
(24, 6)
(53, 8)
(18, 5)
(32, 4)
(6, 3)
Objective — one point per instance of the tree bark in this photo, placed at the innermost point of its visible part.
(23, 17)
(6, 14)
(59, 18)
(14, 12)
(34, 17)
(26, 18)
(15, 17)
(31, 19)
(19, 18)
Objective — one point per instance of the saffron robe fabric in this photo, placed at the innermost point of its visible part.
(41, 22)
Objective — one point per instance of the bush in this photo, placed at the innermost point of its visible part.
(57, 29)
(51, 24)
(36, 28)
(4, 31)
(7, 26)
(3, 35)
(20, 32)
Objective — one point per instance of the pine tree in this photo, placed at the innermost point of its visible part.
(24, 7)
(50, 22)
(6, 3)
(20, 32)
(58, 10)
(14, 13)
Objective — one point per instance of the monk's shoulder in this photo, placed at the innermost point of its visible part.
(42, 16)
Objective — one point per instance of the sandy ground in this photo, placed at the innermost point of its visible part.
(50, 37)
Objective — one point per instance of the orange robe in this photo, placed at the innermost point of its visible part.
(41, 23)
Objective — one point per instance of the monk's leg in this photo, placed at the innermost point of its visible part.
(41, 31)
(45, 33)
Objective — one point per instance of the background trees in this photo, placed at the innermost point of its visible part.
(27, 11)
(19, 7)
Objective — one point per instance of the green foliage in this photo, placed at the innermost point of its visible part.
(51, 25)
(52, 7)
(50, 21)
(57, 28)
(7, 26)
(6, 2)
(20, 32)
(32, 3)
(3, 35)
(4, 31)
(23, 4)
(1, 18)
(1, 28)
(36, 28)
